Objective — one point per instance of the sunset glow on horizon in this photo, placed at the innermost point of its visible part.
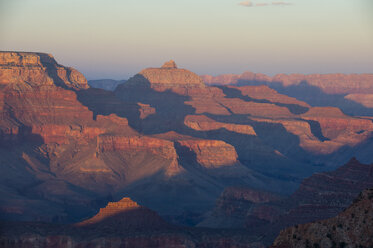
(116, 39)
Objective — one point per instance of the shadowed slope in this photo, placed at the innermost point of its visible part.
(350, 228)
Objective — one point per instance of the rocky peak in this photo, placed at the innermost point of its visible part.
(112, 209)
(166, 77)
(169, 65)
(124, 215)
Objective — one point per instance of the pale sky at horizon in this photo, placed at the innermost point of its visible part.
(117, 38)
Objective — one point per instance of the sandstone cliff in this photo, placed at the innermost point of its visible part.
(211, 153)
(203, 123)
(20, 69)
(263, 92)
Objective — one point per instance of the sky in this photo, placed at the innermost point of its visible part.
(118, 38)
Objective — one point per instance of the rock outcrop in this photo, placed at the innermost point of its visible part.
(169, 65)
(351, 228)
(21, 69)
(203, 123)
(124, 214)
(241, 107)
(108, 142)
(166, 77)
(328, 83)
(146, 110)
(263, 92)
(364, 99)
(211, 153)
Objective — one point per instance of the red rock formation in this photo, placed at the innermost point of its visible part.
(334, 123)
(329, 83)
(36, 101)
(364, 99)
(168, 76)
(206, 100)
(239, 106)
(138, 143)
(208, 153)
(263, 92)
(173, 136)
(43, 107)
(145, 110)
(37, 69)
(341, 129)
(203, 123)
(39, 103)
(211, 153)
(169, 65)
(112, 209)
(125, 214)
(308, 141)
(351, 228)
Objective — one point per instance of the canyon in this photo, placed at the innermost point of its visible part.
(213, 156)
(321, 196)
(350, 92)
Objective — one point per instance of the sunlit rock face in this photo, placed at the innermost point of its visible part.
(37, 69)
(211, 153)
(166, 77)
(203, 123)
(125, 214)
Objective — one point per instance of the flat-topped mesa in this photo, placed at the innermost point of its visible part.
(26, 69)
(166, 77)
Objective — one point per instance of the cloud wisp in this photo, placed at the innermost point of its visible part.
(246, 4)
(250, 3)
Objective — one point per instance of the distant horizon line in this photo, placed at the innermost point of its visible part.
(206, 74)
